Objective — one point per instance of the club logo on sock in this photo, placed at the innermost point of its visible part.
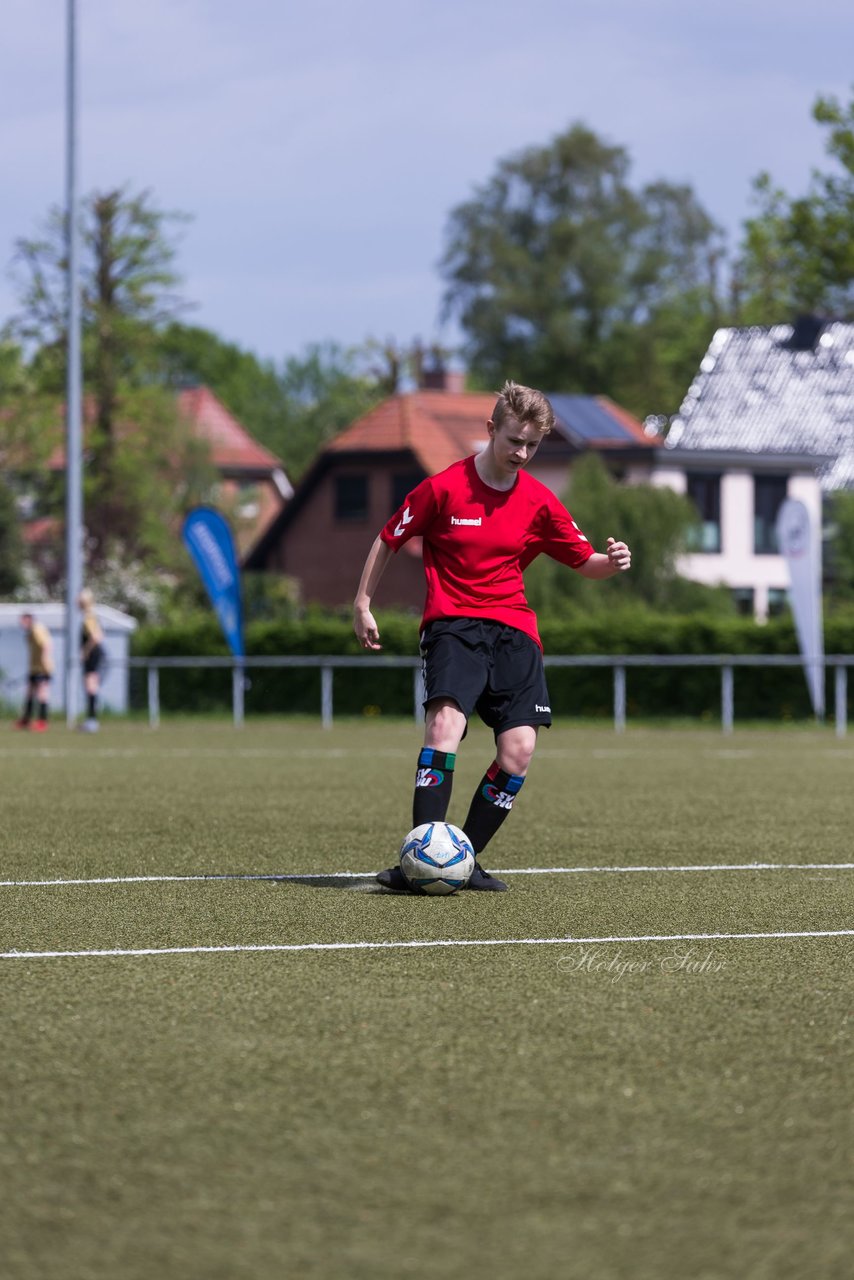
(429, 778)
(501, 799)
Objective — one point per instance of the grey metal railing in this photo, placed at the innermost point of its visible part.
(619, 663)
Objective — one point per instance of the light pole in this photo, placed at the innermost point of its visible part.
(73, 387)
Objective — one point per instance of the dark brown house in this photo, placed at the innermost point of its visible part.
(321, 538)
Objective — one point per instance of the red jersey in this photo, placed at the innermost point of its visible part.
(478, 540)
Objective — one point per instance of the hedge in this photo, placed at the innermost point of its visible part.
(777, 693)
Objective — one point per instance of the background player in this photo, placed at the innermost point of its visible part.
(482, 521)
(92, 658)
(40, 649)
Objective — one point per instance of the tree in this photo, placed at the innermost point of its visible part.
(188, 355)
(293, 409)
(561, 274)
(797, 255)
(11, 550)
(840, 559)
(655, 522)
(135, 441)
(27, 414)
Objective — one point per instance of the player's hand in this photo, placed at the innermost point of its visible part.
(366, 629)
(619, 555)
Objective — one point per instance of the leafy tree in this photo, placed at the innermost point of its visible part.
(294, 409)
(11, 550)
(839, 566)
(26, 413)
(564, 276)
(798, 252)
(326, 390)
(655, 522)
(135, 440)
(188, 355)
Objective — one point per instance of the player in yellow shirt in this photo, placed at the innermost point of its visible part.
(92, 657)
(40, 649)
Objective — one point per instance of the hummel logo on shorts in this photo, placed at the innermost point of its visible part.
(537, 707)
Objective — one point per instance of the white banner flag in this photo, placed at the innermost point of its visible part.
(800, 545)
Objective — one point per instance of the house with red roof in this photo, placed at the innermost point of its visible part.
(361, 477)
(252, 486)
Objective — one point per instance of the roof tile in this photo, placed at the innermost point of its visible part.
(754, 392)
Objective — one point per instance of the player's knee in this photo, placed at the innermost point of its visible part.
(515, 749)
(445, 725)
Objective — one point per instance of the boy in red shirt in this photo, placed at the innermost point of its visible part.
(482, 521)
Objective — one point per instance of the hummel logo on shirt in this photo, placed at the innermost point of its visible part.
(404, 521)
(537, 707)
(462, 520)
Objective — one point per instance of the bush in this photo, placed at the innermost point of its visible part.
(693, 691)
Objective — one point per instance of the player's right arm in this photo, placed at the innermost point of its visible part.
(412, 518)
(363, 620)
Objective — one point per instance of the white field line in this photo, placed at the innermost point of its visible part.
(418, 944)
(365, 875)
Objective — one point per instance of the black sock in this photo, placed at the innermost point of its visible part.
(490, 805)
(42, 711)
(92, 700)
(28, 710)
(434, 779)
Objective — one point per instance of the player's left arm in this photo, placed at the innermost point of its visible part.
(601, 565)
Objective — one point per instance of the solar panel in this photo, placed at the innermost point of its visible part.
(584, 416)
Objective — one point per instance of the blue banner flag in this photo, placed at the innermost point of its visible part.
(208, 538)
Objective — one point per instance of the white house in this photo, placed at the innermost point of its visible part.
(770, 415)
(117, 628)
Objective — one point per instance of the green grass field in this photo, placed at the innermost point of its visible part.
(659, 1107)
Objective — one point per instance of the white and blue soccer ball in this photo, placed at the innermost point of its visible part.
(437, 857)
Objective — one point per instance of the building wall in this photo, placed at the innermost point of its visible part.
(251, 506)
(117, 628)
(327, 555)
(737, 566)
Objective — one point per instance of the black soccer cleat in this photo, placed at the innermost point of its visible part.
(481, 879)
(393, 878)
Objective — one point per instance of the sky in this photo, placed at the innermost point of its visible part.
(320, 147)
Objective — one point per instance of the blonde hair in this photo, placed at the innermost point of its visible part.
(524, 404)
(85, 599)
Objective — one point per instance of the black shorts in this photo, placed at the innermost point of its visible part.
(36, 677)
(486, 667)
(93, 661)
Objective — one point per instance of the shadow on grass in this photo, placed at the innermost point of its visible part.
(346, 883)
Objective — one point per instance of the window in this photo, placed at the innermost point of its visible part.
(769, 493)
(743, 597)
(778, 602)
(248, 500)
(704, 490)
(351, 497)
(402, 483)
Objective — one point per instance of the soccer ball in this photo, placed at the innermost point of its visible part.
(437, 857)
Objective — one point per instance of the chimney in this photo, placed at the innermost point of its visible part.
(806, 332)
(438, 378)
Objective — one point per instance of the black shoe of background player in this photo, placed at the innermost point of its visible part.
(481, 879)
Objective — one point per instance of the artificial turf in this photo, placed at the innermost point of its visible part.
(660, 1108)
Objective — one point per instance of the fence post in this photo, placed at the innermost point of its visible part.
(418, 694)
(727, 699)
(153, 697)
(238, 685)
(326, 696)
(619, 699)
(841, 700)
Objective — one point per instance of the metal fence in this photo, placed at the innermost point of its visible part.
(619, 664)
